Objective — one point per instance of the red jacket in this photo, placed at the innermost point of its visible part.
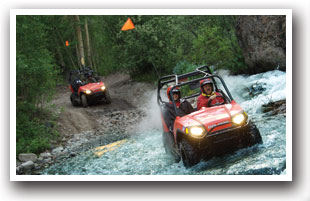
(203, 99)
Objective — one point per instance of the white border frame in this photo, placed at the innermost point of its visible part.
(287, 177)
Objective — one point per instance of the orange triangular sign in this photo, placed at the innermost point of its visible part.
(128, 25)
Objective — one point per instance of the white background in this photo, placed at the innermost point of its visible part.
(296, 190)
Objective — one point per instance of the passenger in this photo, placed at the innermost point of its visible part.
(76, 84)
(183, 107)
(207, 92)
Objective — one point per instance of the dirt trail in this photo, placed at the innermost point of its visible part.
(128, 97)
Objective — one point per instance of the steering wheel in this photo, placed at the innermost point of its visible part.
(217, 103)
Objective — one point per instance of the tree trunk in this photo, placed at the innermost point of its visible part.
(78, 56)
(80, 39)
(90, 63)
(94, 59)
(66, 49)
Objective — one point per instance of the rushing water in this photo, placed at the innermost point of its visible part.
(143, 153)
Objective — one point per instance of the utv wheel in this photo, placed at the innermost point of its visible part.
(73, 101)
(170, 147)
(189, 155)
(256, 138)
(107, 97)
(84, 100)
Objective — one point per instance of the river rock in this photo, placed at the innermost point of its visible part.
(27, 165)
(18, 170)
(24, 157)
(45, 155)
(57, 150)
(47, 160)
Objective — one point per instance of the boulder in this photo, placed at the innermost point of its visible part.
(263, 42)
(27, 157)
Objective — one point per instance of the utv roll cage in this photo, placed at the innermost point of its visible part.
(204, 71)
(81, 74)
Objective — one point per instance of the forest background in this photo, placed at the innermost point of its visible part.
(49, 47)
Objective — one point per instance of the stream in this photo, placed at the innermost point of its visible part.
(143, 153)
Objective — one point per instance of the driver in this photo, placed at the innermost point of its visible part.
(207, 93)
(183, 107)
(90, 78)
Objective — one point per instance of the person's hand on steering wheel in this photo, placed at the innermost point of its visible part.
(212, 97)
(210, 104)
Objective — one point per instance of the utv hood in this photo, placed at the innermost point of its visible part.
(93, 86)
(215, 118)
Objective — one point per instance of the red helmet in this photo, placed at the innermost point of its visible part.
(175, 90)
(205, 82)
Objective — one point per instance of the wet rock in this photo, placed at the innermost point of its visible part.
(24, 157)
(72, 154)
(27, 165)
(57, 150)
(257, 89)
(274, 108)
(47, 160)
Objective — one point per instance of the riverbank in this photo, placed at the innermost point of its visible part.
(83, 128)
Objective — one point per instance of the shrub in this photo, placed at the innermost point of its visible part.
(34, 129)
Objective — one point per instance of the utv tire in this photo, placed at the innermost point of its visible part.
(84, 100)
(256, 138)
(73, 101)
(170, 147)
(107, 97)
(189, 155)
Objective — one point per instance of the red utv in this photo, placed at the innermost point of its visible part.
(215, 130)
(87, 88)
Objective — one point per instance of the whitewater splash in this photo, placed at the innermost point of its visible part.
(143, 153)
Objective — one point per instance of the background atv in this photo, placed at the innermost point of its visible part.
(212, 131)
(87, 88)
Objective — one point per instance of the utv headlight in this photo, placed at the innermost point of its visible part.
(103, 88)
(87, 91)
(238, 119)
(195, 131)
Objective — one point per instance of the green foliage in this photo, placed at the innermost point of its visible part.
(184, 67)
(36, 75)
(33, 129)
(159, 45)
(213, 48)
(157, 42)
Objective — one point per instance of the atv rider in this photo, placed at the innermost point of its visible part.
(207, 93)
(183, 107)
